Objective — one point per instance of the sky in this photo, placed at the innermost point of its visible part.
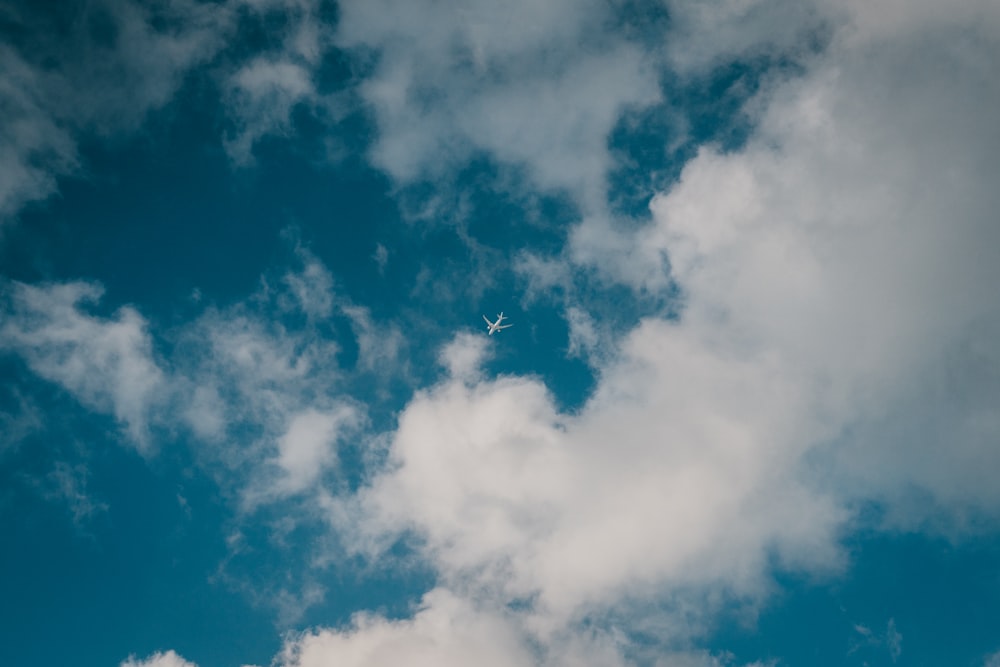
(747, 415)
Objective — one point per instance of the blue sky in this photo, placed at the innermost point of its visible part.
(748, 413)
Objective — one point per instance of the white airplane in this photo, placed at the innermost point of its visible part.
(496, 326)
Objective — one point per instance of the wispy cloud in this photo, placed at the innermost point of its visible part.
(100, 72)
(68, 484)
(261, 384)
(36, 148)
(107, 363)
(258, 392)
(890, 641)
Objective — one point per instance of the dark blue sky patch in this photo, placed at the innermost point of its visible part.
(897, 584)
(148, 243)
(140, 566)
(642, 21)
(38, 27)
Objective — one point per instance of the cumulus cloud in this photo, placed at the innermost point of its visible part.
(682, 471)
(445, 631)
(703, 35)
(464, 355)
(450, 631)
(855, 238)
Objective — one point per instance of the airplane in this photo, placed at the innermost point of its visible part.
(496, 326)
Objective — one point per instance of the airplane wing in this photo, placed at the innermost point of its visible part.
(505, 326)
(487, 320)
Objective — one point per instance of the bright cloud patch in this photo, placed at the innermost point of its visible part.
(308, 446)
(823, 244)
(445, 631)
(168, 659)
(682, 471)
(531, 84)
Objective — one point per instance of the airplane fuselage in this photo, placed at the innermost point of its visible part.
(496, 326)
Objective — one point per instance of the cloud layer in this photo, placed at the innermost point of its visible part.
(836, 345)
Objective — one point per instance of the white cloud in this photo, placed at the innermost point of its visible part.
(381, 346)
(706, 34)
(585, 337)
(838, 341)
(160, 659)
(538, 85)
(464, 355)
(542, 275)
(308, 448)
(683, 470)
(854, 238)
(312, 286)
(448, 631)
(839, 275)
(261, 98)
(35, 148)
(245, 368)
(107, 363)
(69, 485)
(56, 87)
(262, 95)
